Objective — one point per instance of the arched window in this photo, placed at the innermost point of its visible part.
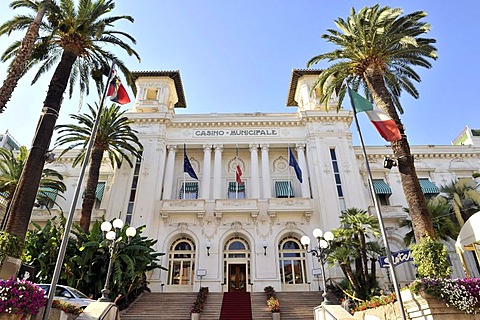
(292, 261)
(181, 262)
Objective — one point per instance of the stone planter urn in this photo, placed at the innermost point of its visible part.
(424, 306)
(275, 315)
(195, 316)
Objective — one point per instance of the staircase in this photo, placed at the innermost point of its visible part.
(298, 305)
(161, 306)
(236, 306)
(223, 306)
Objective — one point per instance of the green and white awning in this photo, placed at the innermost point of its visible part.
(428, 187)
(48, 193)
(283, 189)
(190, 187)
(381, 187)
(232, 187)
(99, 191)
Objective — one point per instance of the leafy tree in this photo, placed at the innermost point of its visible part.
(351, 250)
(114, 136)
(11, 166)
(86, 269)
(19, 64)
(446, 227)
(377, 49)
(75, 37)
(463, 197)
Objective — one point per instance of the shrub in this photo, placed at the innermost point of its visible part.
(66, 307)
(431, 259)
(200, 301)
(20, 297)
(10, 245)
(461, 294)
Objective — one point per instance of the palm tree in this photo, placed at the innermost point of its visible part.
(359, 225)
(18, 66)
(11, 166)
(446, 227)
(377, 49)
(114, 136)
(464, 198)
(76, 38)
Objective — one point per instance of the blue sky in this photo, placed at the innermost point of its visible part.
(237, 56)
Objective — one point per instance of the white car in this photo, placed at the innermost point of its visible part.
(68, 294)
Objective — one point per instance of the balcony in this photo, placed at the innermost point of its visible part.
(290, 205)
(236, 206)
(42, 215)
(171, 208)
(390, 213)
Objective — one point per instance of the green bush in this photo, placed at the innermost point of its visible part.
(431, 259)
(10, 245)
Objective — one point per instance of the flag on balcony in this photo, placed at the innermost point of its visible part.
(293, 163)
(385, 125)
(187, 166)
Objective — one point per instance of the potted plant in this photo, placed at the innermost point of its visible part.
(272, 302)
(20, 299)
(199, 303)
(67, 310)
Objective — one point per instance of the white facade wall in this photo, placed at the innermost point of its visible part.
(261, 217)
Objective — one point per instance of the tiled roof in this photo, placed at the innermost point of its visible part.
(174, 75)
(296, 74)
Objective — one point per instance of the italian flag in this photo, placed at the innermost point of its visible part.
(384, 124)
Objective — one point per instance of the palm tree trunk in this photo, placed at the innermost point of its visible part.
(347, 270)
(22, 203)
(363, 252)
(22, 57)
(91, 187)
(421, 221)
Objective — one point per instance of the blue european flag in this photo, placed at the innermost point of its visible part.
(293, 163)
(187, 166)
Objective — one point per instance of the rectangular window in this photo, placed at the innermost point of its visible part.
(338, 180)
(382, 191)
(189, 190)
(236, 190)
(284, 189)
(152, 94)
(133, 190)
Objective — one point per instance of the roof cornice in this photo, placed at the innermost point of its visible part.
(297, 74)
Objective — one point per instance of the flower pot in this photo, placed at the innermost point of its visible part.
(275, 315)
(195, 316)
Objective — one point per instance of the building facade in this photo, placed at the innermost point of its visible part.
(227, 235)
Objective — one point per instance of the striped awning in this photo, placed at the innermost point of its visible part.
(49, 193)
(428, 187)
(190, 187)
(381, 187)
(283, 189)
(99, 191)
(232, 187)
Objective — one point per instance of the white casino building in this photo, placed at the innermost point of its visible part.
(247, 237)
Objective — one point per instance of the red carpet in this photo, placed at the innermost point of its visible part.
(236, 306)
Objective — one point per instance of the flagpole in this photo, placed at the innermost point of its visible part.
(236, 168)
(68, 223)
(184, 152)
(380, 218)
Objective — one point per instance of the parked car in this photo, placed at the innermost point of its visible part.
(68, 294)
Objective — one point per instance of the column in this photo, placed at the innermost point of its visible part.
(169, 172)
(207, 165)
(267, 189)
(255, 180)
(217, 172)
(162, 154)
(303, 166)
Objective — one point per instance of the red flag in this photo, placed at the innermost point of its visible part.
(238, 174)
(117, 91)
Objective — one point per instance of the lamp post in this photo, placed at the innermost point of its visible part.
(320, 251)
(113, 240)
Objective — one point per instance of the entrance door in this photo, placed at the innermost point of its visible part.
(237, 278)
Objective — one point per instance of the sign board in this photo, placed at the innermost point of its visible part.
(316, 271)
(201, 272)
(398, 257)
(236, 133)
